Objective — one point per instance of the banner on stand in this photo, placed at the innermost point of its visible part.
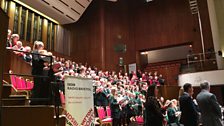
(79, 101)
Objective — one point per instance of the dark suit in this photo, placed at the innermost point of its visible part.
(210, 110)
(189, 113)
(115, 111)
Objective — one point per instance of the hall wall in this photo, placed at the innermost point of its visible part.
(137, 24)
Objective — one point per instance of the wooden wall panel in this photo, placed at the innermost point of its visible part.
(1, 3)
(118, 30)
(169, 70)
(164, 23)
(27, 116)
(85, 35)
(44, 31)
(138, 25)
(169, 92)
(17, 65)
(11, 14)
(206, 25)
(3, 38)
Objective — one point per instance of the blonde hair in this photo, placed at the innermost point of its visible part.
(19, 43)
(14, 35)
(37, 45)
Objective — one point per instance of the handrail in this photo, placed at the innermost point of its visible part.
(28, 52)
(26, 75)
(4, 81)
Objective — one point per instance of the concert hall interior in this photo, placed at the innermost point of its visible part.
(111, 62)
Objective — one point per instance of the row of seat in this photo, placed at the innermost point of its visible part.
(19, 83)
(104, 116)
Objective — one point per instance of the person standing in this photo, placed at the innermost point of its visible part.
(37, 70)
(209, 107)
(188, 108)
(152, 114)
(172, 114)
(115, 108)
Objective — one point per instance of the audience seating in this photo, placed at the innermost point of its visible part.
(108, 111)
(19, 84)
(104, 121)
(139, 120)
(62, 98)
(29, 84)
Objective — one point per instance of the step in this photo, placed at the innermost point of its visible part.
(6, 90)
(14, 100)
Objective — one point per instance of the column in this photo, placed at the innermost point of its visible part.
(215, 8)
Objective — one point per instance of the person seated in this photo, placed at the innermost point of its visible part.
(19, 47)
(26, 55)
(14, 39)
(173, 114)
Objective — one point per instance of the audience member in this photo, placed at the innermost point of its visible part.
(209, 107)
(115, 108)
(18, 46)
(14, 39)
(26, 55)
(153, 114)
(188, 108)
(37, 70)
(173, 114)
(9, 41)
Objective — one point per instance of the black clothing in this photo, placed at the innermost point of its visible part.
(189, 113)
(37, 70)
(153, 115)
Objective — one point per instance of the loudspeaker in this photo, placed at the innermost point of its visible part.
(120, 47)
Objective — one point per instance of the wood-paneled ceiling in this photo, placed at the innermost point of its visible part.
(63, 11)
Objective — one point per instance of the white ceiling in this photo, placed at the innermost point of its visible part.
(63, 11)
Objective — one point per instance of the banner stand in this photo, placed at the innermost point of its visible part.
(79, 104)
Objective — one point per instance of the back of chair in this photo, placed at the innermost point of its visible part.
(62, 97)
(139, 119)
(29, 85)
(13, 81)
(101, 112)
(108, 111)
(23, 84)
(18, 82)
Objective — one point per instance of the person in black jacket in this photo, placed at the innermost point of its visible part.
(152, 114)
(189, 111)
(37, 70)
(115, 108)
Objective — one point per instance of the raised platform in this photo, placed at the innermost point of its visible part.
(28, 116)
